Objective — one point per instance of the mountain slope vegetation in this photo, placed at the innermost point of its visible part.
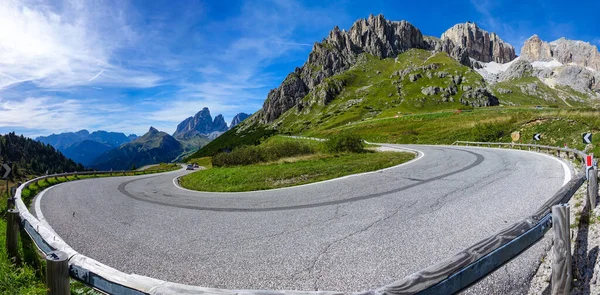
(30, 157)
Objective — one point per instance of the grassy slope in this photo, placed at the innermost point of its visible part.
(284, 173)
(370, 91)
(231, 139)
(558, 126)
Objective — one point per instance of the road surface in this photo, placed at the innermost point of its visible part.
(351, 234)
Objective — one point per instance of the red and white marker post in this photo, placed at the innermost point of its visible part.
(589, 163)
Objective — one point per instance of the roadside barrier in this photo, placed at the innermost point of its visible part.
(446, 277)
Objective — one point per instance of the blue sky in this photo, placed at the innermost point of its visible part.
(128, 65)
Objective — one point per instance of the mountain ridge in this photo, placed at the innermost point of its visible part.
(153, 147)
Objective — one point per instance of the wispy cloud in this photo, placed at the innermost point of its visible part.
(64, 47)
(45, 114)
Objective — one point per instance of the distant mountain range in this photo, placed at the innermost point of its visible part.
(104, 150)
(151, 148)
(64, 140)
(84, 147)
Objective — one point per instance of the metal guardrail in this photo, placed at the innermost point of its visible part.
(446, 277)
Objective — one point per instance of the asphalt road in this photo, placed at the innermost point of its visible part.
(350, 234)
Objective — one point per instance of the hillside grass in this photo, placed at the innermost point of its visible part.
(231, 139)
(290, 172)
(371, 91)
(205, 162)
(163, 166)
(557, 126)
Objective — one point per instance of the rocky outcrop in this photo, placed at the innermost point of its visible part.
(536, 49)
(336, 53)
(200, 124)
(518, 69)
(468, 40)
(286, 96)
(479, 97)
(219, 124)
(578, 78)
(238, 119)
(563, 50)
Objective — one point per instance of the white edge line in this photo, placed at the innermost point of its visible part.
(420, 155)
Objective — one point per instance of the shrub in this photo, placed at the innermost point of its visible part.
(345, 143)
(247, 155)
(488, 132)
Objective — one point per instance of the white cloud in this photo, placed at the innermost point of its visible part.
(44, 113)
(63, 48)
(55, 59)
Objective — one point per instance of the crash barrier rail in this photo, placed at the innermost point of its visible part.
(446, 277)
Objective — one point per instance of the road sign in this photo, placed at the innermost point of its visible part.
(587, 138)
(515, 136)
(537, 136)
(7, 169)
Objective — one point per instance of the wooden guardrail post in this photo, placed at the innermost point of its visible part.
(10, 201)
(12, 235)
(561, 261)
(593, 187)
(57, 273)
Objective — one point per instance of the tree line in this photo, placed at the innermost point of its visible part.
(29, 157)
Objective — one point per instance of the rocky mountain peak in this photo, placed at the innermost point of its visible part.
(200, 124)
(468, 39)
(219, 124)
(536, 49)
(153, 130)
(562, 50)
(238, 119)
(374, 35)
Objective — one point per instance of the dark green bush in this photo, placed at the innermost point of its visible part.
(247, 155)
(345, 143)
(489, 132)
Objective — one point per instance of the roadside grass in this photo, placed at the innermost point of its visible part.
(21, 279)
(557, 126)
(205, 162)
(164, 166)
(297, 171)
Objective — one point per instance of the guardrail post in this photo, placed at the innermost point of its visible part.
(561, 263)
(10, 201)
(12, 235)
(57, 273)
(593, 187)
